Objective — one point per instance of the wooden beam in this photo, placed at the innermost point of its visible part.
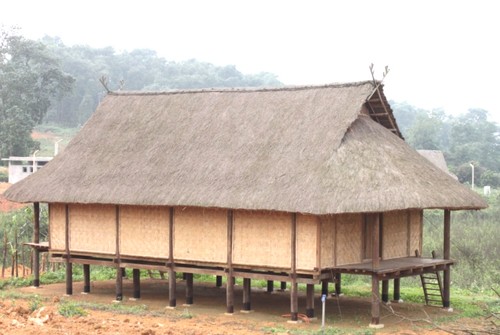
(69, 266)
(230, 278)
(294, 299)
(218, 281)
(86, 278)
(446, 255)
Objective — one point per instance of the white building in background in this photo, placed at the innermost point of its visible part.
(21, 167)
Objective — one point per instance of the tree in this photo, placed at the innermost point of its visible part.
(474, 138)
(30, 81)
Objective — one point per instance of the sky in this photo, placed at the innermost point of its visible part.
(440, 53)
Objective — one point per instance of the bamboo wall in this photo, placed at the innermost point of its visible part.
(260, 238)
(144, 231)
(416, 217)
(57, 222)
(327, 247)
(92, 228)
(395, 235)
(307, 242)
(349, 239)
(200, 234)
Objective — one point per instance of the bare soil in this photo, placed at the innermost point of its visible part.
(207, 314)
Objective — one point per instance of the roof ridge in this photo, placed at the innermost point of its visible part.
(243, 89)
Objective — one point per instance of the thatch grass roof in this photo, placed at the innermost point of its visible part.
(437, 158)
(301, 149)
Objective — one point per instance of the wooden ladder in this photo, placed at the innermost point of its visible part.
(433, 289)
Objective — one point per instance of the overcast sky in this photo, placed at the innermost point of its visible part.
(441, 54)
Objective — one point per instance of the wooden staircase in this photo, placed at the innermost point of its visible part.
(433, 290)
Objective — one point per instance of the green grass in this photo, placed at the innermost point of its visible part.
(71, 309)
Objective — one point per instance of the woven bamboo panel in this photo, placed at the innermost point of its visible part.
(349, 238)
(416, 231)
(57, 224)
(395, 234)
(92, 228)
(307, 231)
(144, 231)
(200, 234)
(262, 238)
(327, 241)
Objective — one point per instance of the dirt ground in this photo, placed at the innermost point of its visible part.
(207, 314)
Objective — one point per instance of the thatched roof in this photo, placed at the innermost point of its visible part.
(437, 158)
(302, 149)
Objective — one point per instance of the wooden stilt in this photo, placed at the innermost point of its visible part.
(247, 289)
(338, 284)
(86, 278)
(119, 270)
(136, 279)
(189, 288)
(270, 286)
(119, 284)
(172, 287)
(324, 287)
(230, 294)
(375, 301)
(310, 300)
(124, 273)
(283, 286)
(385, 290)
(69, 278)
(230, 278)
(375, 310)
(36, 240)
(294, 298)
(397, 290)
(218, 281)
(446, 254)
(69, 266)
(172, 280)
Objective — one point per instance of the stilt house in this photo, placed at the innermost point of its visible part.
(296, 184)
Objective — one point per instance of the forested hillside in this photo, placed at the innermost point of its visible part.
(140, 69)
(48, 81)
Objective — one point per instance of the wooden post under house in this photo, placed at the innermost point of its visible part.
(446, 255)
(136, 282)
(69, 265)
(172, 280)
(230, 278)
(294, 299)
(375, 310)
(36, 240)
(86, 278)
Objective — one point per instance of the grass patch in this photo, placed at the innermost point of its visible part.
(325, 331)
(70, 309)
